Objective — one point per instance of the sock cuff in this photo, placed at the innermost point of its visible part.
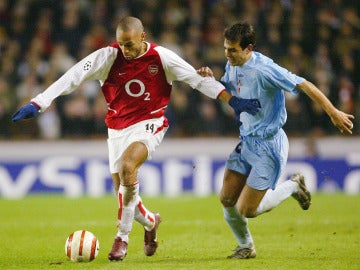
(134, 184)
(128, 195)
(231, 211)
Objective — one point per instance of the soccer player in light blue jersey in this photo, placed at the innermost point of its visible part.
(254, 167)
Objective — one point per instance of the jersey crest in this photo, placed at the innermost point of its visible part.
(153, 69)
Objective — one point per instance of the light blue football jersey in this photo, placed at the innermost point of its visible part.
(262, 79)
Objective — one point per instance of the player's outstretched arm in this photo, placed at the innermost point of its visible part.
(29, 110)
(341, 120)
(239, 105)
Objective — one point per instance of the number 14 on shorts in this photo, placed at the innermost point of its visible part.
(150, 128)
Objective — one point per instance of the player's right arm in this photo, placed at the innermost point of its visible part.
(95, 66)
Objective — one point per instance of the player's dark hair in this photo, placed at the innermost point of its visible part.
(242, 32)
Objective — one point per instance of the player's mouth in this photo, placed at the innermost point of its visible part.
(231, 60)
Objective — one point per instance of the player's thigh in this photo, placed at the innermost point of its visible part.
(249, 201)
(233, 183)
(131, 159)
(136, 153)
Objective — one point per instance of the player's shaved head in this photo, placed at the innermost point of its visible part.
(130, 23)
(130, 36)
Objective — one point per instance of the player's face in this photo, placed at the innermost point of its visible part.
(131, 43)
(235, 54)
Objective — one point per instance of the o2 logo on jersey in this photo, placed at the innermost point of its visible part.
(139, 85)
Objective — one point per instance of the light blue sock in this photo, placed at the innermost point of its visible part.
(239, 227)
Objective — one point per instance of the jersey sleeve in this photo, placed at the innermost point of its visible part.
(95, 66)
(177, 69)
(278, 77)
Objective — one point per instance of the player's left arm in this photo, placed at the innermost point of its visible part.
(93, 67)
(340, 119)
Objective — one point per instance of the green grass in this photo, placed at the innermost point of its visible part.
(193, 234)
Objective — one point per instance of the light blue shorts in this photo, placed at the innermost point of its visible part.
(261, 159)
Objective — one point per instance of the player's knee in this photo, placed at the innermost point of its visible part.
(227, 201)
(127, 170)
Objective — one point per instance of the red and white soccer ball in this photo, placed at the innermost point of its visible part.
(82, 246)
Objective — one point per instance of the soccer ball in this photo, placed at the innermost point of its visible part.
(82, 246)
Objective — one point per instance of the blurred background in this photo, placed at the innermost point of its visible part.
(42, 39)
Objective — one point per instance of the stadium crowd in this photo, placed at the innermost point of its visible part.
(41, 39)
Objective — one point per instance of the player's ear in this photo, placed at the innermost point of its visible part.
(250, 47)
(143, 36)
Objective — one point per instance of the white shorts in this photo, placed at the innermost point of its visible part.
(150, 132)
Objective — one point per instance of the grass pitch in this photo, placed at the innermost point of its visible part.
(193, 234)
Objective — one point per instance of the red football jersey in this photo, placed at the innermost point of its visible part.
(135, 89)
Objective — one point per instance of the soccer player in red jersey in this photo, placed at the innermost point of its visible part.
(136, 79)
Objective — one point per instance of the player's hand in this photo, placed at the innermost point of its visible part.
(29, 110)
(343, 121)
(240, 105)
(205, 72)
